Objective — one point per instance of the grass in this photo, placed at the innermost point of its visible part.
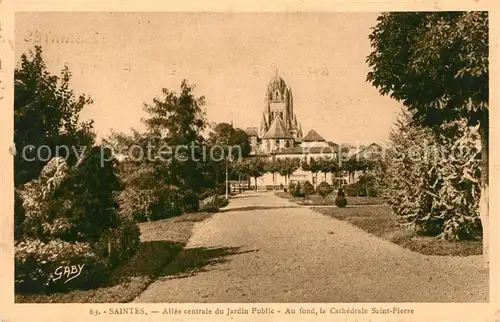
(381, 222)
(161, 242)
(316, 199)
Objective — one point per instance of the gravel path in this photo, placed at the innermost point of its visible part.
(265, 249)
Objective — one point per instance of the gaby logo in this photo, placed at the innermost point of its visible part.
(68, 272)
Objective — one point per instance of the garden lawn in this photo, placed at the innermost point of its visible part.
(161, 241)
(381, 222)
(316, 199)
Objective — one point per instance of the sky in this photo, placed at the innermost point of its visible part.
(123, 60)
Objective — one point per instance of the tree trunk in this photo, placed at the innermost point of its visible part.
(484, 201)
(273, 181)
(255, 183)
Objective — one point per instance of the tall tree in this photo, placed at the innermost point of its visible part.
(226, 144)
(273, 167)
(436, 64)
(178, 120)
(288, 166)
(253, 167)
(46, 113)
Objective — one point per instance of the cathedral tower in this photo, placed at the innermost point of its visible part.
(278, 118)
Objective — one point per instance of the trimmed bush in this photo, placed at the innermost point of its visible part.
(297, 191)
(324, 189)
(157, 203)
(307, 189)
(341, 200)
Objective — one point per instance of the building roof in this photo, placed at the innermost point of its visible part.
(307, 150)
(332, 144)
(277, 130)
(313, 136)
(369, 152)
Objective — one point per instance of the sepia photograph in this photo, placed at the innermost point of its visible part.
(264, 157)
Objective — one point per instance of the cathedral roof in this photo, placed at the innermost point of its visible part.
(313, 136)
(277, 130)
(277, 81)
(277, 84)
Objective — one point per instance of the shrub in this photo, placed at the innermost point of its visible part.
(119, 244)
(351, 190)
(83, 206)
(367, 185)
(324, 189)
(213, 204)
(189, 201)
(307, 188)
(341, 200)
(297, 191)
(37, 262)
(358, 189)
(157, 203)
(68, 216)
(205, 193)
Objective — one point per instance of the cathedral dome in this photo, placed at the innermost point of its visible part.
(276, 88)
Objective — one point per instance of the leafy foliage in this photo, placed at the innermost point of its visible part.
(177, 120)
(433, 181)
(297, 191)
(71, 217)
(436, 64)
(324, 189)
(166, 182)
(341, 201)
(36, 262)
(273, 166)
(307, 188)
(46, 113)
(288, 166)
(225, 144)
(253, 167)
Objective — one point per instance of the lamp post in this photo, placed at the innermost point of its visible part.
(229, 158)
